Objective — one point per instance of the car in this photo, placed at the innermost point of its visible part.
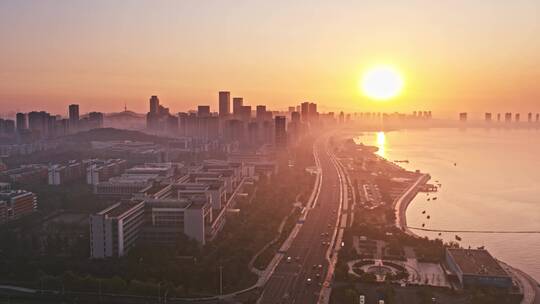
(314, 266)
(319, 266)
(362, 299)
(289, 259)
(309, 281)
(317, 276)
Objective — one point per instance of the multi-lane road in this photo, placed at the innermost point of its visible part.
(301, 274)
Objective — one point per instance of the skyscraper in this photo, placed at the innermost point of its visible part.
(280, 131)
(21, 121)
(305, 110)
(224, 103)
(238, 103)
(74, 116)
(203, 111)
(154, 104)
(261, 111)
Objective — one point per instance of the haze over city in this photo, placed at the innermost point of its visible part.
(454, 55)
(270, 152)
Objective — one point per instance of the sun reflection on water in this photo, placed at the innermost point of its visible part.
(381, 140)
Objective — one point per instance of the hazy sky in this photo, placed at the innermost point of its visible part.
(473, 55)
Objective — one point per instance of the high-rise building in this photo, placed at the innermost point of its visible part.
(280, 123)
(95, 120)
(508, 117)
(238, 103)
(305, 110)
(203, 111)
(154, 104)
(487, 117)
(245, 113)
(21, 121)
(74, 116)
(260, 112)
(517, 117)
(224, 103)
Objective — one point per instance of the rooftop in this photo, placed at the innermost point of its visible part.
(476, 262)
(119, 208)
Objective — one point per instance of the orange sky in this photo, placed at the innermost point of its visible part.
(458, 56)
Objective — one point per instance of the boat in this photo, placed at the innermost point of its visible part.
(428, 199)
(440, 234)
(458, 238)
(423, 225)
(428, 217)
(424, 212)
(434, 198)
(455, 164)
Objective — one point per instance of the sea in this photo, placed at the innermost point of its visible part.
(490, 181)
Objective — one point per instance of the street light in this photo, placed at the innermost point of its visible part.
(220, 280)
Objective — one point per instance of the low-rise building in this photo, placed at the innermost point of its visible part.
(115, 230)
(100, 171)
(476, 268)
(59, 174)
(32, 173)
(15, 204)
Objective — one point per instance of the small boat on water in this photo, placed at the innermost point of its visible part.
(458, 238)
(424, 212)
(428, 217)
(428, 199)
(455, 164)
(435, 198)
(440, 234)
(423, 225)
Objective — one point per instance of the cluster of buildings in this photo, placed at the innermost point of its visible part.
(507, 117)
(41, 124)
(95, 171)
(241, 124)
(15, 204)
(160, 202)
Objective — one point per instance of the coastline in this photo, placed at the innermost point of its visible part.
(530, 286)
(403, 202)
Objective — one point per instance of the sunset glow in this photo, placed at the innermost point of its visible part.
(382, 83)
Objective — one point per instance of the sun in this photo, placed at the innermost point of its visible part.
(381, 83)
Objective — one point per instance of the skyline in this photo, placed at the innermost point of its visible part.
(103, 56)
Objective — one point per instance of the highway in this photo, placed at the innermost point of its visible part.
(290, 281)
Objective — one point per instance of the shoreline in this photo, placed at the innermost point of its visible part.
(400, 207)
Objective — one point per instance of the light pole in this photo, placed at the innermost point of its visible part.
(220, 280)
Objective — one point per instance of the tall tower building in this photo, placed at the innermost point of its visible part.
(224, 103)
(21, 121)
(203, 111)
(154, 104)
(280, 124)
(74, 116)
(305, 110)
(261, 111)
(238, 103)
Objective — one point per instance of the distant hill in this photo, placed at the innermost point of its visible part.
(110, 134)
(124, 115)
